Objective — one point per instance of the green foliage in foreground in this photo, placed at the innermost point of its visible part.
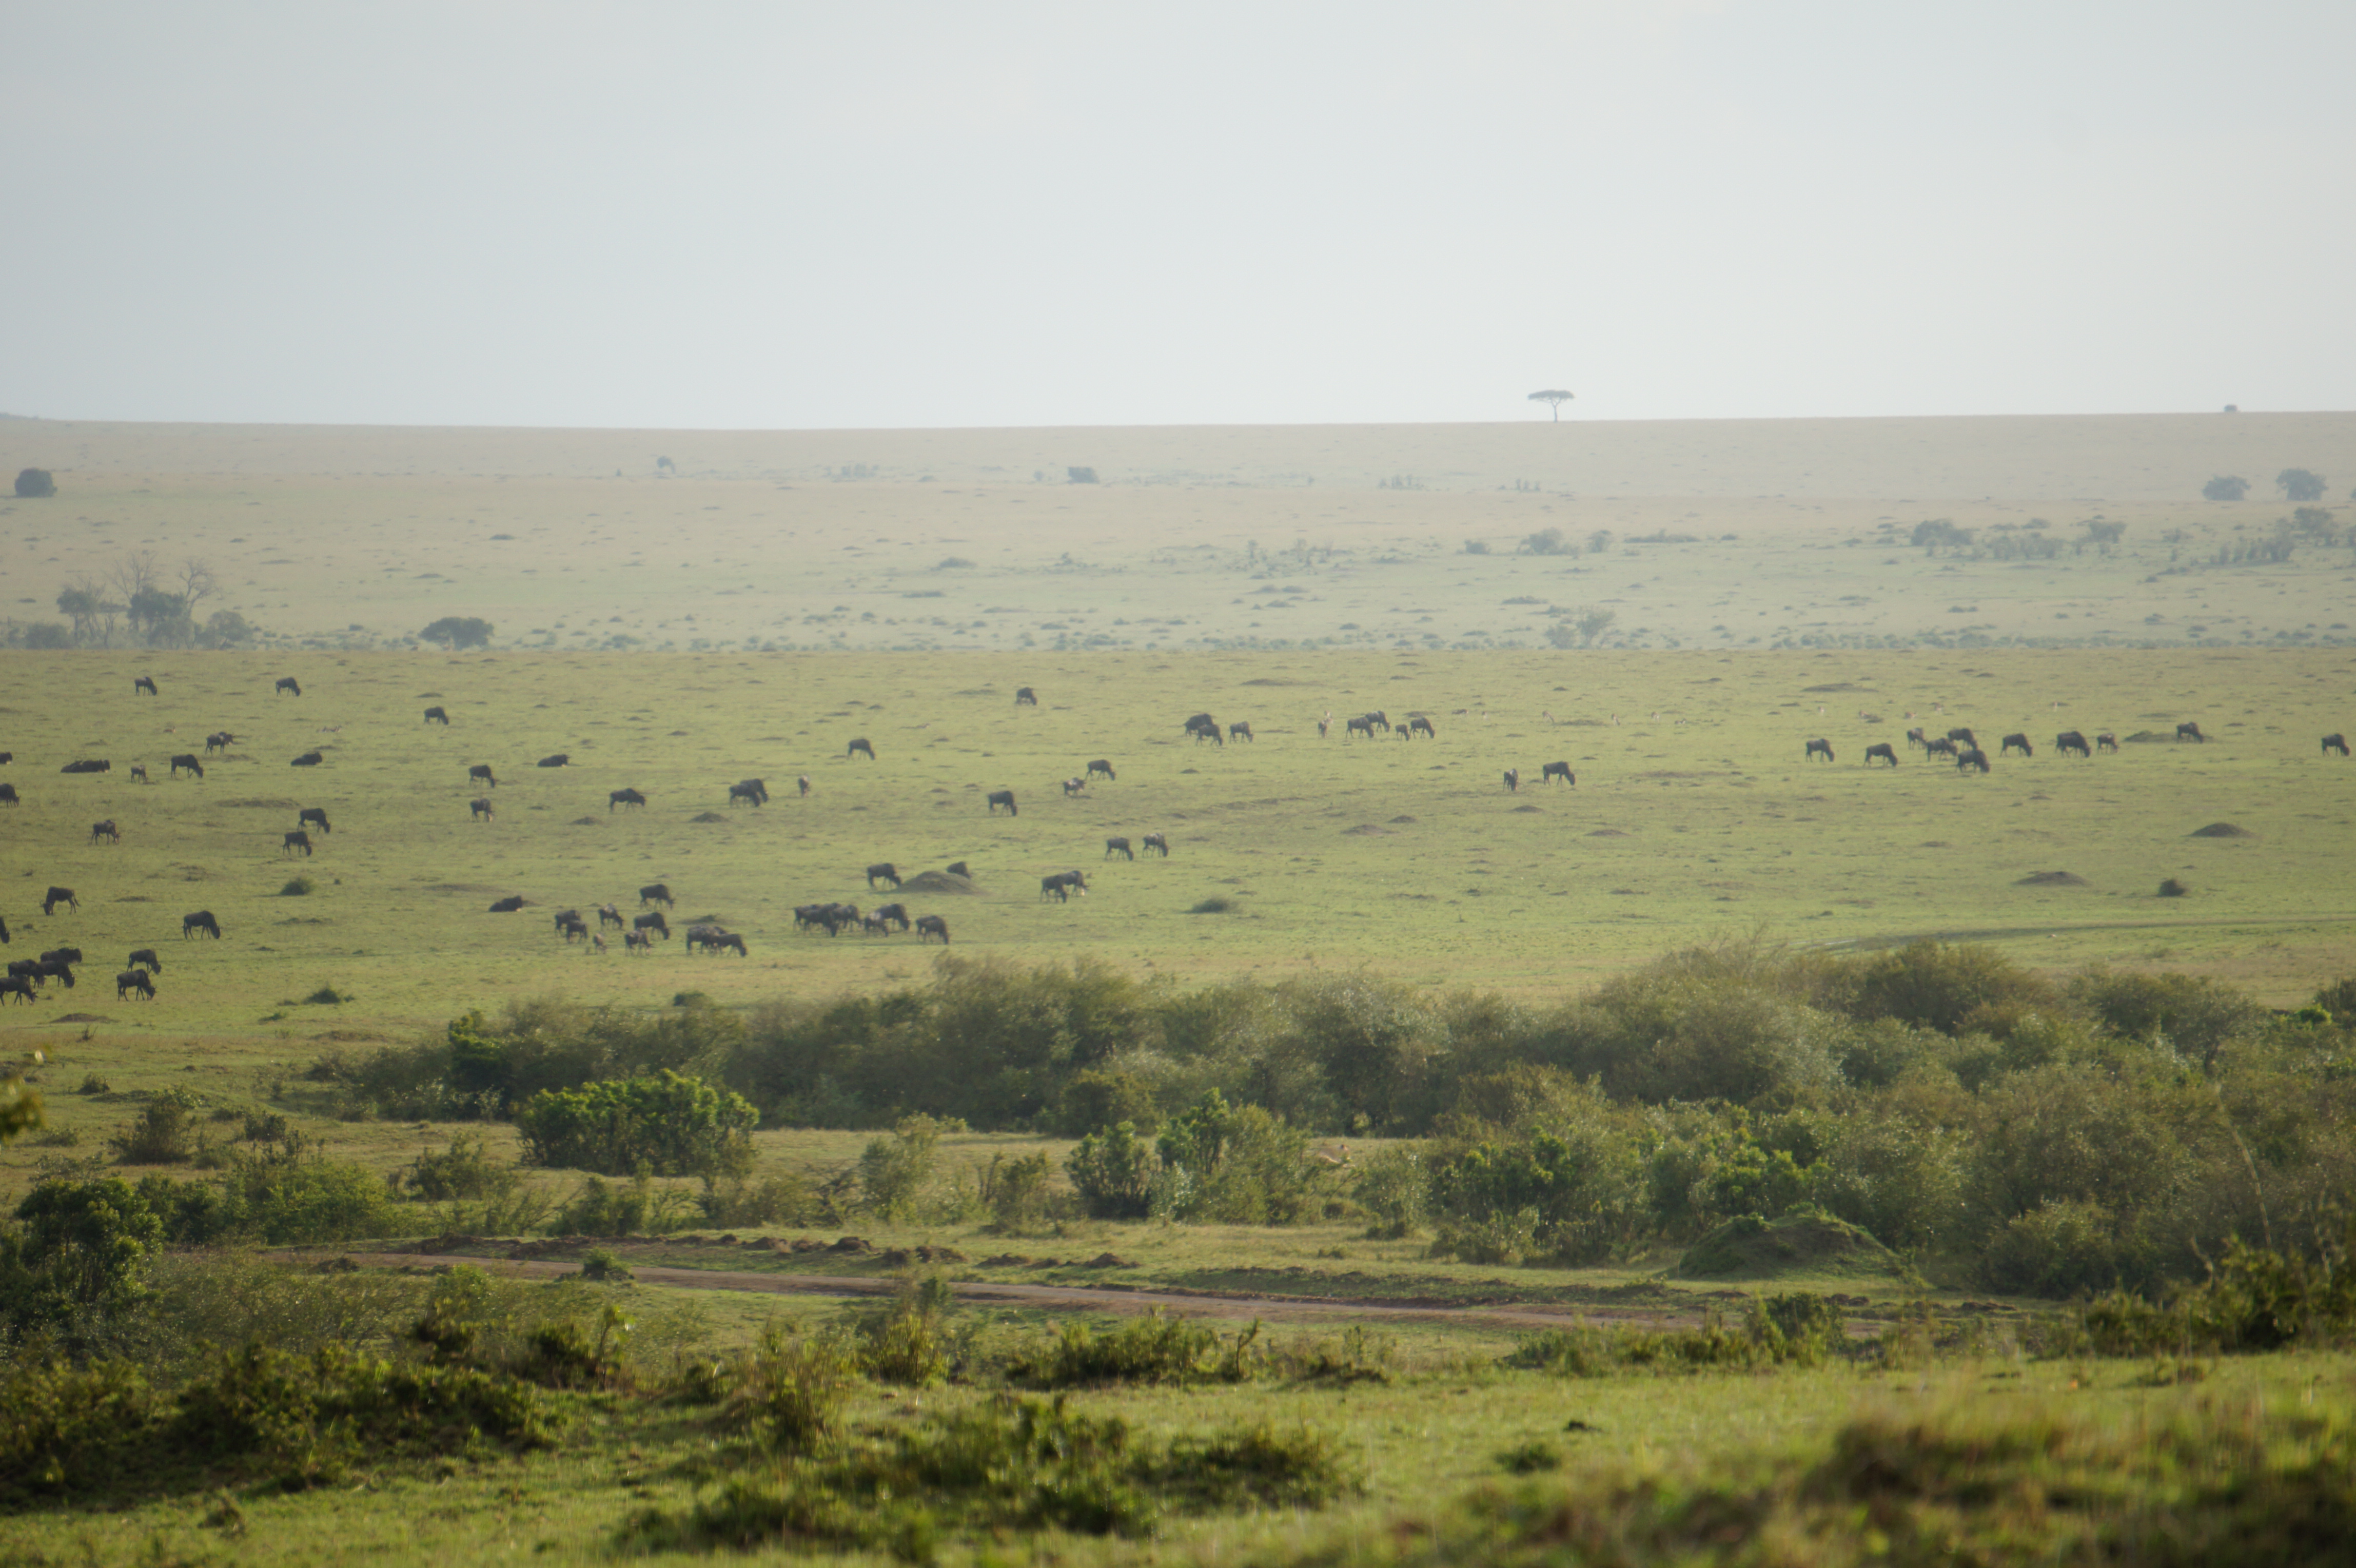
(670, 1124)
(1149, 1349)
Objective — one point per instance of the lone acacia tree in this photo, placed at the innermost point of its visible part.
(459, 631)
(1553, 399)
(2300, 484)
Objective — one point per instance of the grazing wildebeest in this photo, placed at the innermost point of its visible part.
(144, 683)
(202, 920)
(2069, 740)
(4, 933)
(293, 841)
(1002, 797)
(1823, 748)
(957, 868)
(1965, 738)
(62, 955)
(555, 759)
(715, 941)
(2106, 741)
(186, 760)
(146, 956)
(105, 829)
(481, 772)
(1118, 846)
(1938, 746)
(26, 968)
(597, 941)
(804, 782)
(609, 915)
(1074, 785)
(638, 942)
(88, 764)
(883, 872)
(9, 794)
(751, 790)
(1156, 840)
(2016, 739)
(313, 817)
(1103, 766)
(875, 925)
(1554, 770)
(1916, 737)
(653, 921)
(659, 893)
(58, 969)
(1513, 780)
(437, 716)
(479, 808)
(287, 683)
(219, 740)
(1971, 756)
(1062, 885)
(573, 927)
(132, 980)
(16, 985)
(1882, 749)
(508, 905)
(932, 926)
(308, 760)
(1417, 723)
(1324, 726)
(2338, 743)
(1364, 722)
(2191, 732)
(564, 917)
(1240, 731)
(623, 798)
(139, 773)
(1025, 695)
(898, 912)
(858, 747)
(57, 896)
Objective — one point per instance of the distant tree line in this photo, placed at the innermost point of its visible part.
(138, 603)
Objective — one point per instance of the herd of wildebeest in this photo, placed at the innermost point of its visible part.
(641, 931)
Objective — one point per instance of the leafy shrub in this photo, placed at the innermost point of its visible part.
(597, 1209)
(1245, 1166)
(459, 631)
(786, 1199)
(298, 887)
(165, 1134)
(1392, 1189)
(1015, 1191)
(77, 1257)
(1148, 1349)
(791, 1391)
(292, 1201)
(2064, 1247)
(462, 1168)
(1596, 1352)
(673, 1125)
(67, 1428)
(1113, 1173)
(894, 1171)
(36, 484)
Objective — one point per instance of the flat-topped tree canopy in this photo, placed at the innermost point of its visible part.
(1554, 399)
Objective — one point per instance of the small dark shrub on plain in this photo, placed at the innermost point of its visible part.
(1148, 1349)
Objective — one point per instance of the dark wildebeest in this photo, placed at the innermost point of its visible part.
(1240, 731)
(132, 980)
(572, 927)
(563, 916)
(2190, 732)
(1074, 785)
(9, 794)
(858, 747)
(804, 782)
(2016, 739)
(882, 872)
(308, 760)
(751, 790)
(1939, 746)
(144, 683)
(1118, 846)
(187, 760)
(1417, 723)
(638, 942)
(1062, 885)
(957, 868)
(287, 683)
(1024, 696)
(2069, 740)
(1965, 738)
(219, 740)
(659, 893)
(62, 955)
(1823, 748)
(1554, 770)
(26, 968)
(653, 921)
(88, 764)
(139, 773)
(479, 808)
(932, 926)
(2106, 741)
(1916, 737)
(2338, 743)
(313, 817)
(609, 915)
(1513, 779)
(146, 956)
(623, 798)
(4, 933)
(57, 896)
(555, 759)
(1002, 797)
(16, 985)
(481, 772)
(715, 941)
(508, 905)
(58, 969)
(105, 829)
(1364, 722)
(1103, 766)
(1156, 840)
(437, 716)
(202, 920)
(1972, 757)
(898, 912)
(875, 925)
(295, 841)
(1882, 749)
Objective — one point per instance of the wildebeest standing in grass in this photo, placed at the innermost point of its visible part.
(555, 759)
(16, 985)
(58, 969)
(1118, 846)
(295, 841)
(715, 941)
(57, 896)
(2338, 743)
(1154, 842)
(623, 798)
(2016, 741)
(881, 871)
(132, 980)
(1883, 750)
(2069, 740)
(1240, 731)
(875, 925)
(1103, 766)
(1074, 785)
(609, 915)
(1970, 757)
(313, 817)
(145, 956)
(894, 912)
(105, 829)
(1554, 770)
(1963, 737)
(1823, 748)
(656, 893)
(2106, 741)
(1002, 797)
(479, 808)
(480, 773)
(144, 683)
(4, 933)
(437, 716)
(1025, 697)
(1062, 885)
(2191, 731)
(186, 762)
(653, 921)
(1938, 746)
(8, 795)
(858, 748)
(139, 773)
(1418, 725)
(219, 740)
(804, 782)
(572, 927)
(932, 926)
(637, 943)
(1513, 780)
(287, 683)
(202, 920)
(751, 790)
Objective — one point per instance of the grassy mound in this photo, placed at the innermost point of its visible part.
(938, 882)
(1800, 1243)
(2222, 830)
(2052, 879)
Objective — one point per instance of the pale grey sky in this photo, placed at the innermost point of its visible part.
(829, 215)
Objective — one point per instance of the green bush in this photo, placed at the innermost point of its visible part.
(68, 1428)
(1242, 1166)
(894, 1171)
(166, 1133)
(1015, 1191)
(1113, 1173)
(790, 1393)
(76, 1260)
(1148, 1349)
(459, 631)
(1393, 1190)
(675, 1125)
(462, 1168)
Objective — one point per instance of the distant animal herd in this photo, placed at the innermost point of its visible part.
(638, 932)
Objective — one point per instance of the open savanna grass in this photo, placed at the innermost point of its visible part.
(1694, 817)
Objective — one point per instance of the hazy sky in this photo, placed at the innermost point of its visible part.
(876, 214)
